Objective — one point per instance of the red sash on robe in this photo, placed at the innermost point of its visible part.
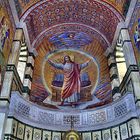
(71, 82)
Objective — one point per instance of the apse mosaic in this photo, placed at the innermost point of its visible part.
(70, 34)
(70, 39)
(73, 64)
(134, 30)
(71, 77)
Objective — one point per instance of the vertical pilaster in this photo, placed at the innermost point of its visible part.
(131, 61)
(8, 79)
(135, 77)
(28, 74)
(0, 78)
(127, 48)
(22, 61)
(114, 76)
(13, 60)
(2, 124)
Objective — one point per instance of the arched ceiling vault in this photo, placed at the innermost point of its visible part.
(71, 27)
(46, 18)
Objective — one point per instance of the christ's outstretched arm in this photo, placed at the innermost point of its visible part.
(82, 66)
(56, 65)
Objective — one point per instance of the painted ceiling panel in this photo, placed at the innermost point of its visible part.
(68, 28)
(97, 15)
(70, 39)
(23, 5)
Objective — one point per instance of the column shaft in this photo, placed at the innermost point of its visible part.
(8, 79)
(28, 75)
(114, 76)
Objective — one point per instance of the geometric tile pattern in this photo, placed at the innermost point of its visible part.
(85, 120)
(97, 117)
(120, 110)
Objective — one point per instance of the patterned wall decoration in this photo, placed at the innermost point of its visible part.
(124, 131)
(97, 135)
(87, 136)
(45, 78)
(6, 36)
(134, 30)
(37, 134)
(115, 133)
(64, 119)
(106, 134)
(99, 117)
(7, 29)
(56, 136)
(95, 14)
(26, 132)
(23, 5)
(46, 135)
(20, 131)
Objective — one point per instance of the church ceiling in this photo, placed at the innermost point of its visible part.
(23, 5)
(61, 34)
(99, 16)
(70, 39)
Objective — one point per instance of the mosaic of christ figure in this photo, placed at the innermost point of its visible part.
(70, 91)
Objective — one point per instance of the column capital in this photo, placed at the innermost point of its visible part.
(117, 33)
(33, 52)
(108, 51)
(129, 53)
(18, 34)
(125, 34)
(14, 56)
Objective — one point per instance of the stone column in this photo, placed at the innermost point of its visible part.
(131, 62)
(127, 48)
(114, 76)
(8, 79)
(28, 74)
(13, 61)
(135, 77)
(22, 61)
